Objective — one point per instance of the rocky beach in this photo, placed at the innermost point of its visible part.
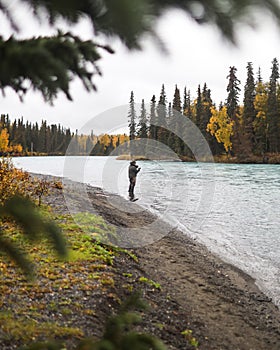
(220, 304)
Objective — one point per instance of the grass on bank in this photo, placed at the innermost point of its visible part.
(65, 292)
(27, 308)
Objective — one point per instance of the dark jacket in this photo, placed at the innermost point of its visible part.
(133, 170)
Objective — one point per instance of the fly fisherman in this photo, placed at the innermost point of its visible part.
(133, 170)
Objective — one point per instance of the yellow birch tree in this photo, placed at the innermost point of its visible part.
(4, 141)
(221, 127)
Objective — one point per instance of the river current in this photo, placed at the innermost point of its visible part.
(232, 209)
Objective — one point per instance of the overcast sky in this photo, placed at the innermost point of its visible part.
(197, 54)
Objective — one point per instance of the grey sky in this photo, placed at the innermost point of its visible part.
(197, 54)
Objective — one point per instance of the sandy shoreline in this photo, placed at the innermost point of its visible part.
(220, 303)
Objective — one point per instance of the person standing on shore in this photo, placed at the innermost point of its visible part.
(133, 170)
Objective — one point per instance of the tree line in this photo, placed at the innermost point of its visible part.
(247, 129)
(24, 138)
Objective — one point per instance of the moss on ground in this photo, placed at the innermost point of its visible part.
(49, 306)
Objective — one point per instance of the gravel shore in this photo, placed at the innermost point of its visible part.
(220, 304)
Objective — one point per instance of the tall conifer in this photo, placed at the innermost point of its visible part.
(198, 109)
(142, 126)
(233, 90)
(132, 117)
(206, 109)
(153, 119)
(174, 141)
(249, 111)
(188, 112)
(232, 105)
(162, 135)
(272, 111)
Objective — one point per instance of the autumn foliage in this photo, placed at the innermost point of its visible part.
(5, 145)
(220, 125)
(14, 181)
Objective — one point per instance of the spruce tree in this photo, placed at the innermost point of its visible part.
(175, 142)
(142, 130)
(188, 112)
(199, 108)
(259, 76)
(187, 109)
(249, 111)
(132, 125)
(132, 117)
(177, 105)
(272, 109)
(142, 125)
(153, 119)
(161, 131)
(232, 105)
(206, 109)
(233, 90)
(185, 100)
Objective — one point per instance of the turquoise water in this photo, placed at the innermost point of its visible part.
(232, 209)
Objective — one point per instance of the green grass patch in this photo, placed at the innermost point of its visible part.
(149, 282)
(27, 329)
(61, 285)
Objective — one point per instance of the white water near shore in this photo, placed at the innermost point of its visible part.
(231, 208)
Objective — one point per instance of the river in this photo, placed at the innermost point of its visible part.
(232, 209)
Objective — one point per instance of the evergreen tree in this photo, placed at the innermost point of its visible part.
(175, 142)
(232, 106)
(98, 149)
(53, 138)
(68, 137)
(259, 76)
(142, 126)
(272, 110)
(28, 136)
(153, 119)
(188, 112)
(198, 108)
(233, 90)
(132, 118)
(42, 139)
(207, 103)
(48, 140)
(142, 130)
(249, 112)
(34, 145)
(177, 105)
(161, 131)
(185, 100)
